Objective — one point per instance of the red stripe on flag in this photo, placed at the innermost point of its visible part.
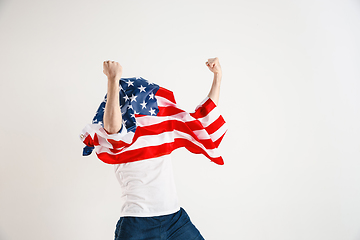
(96, 140)
(168, 111)
(163, 92)
(213, 127)
(204, 109)
(88, 141)
(155, 151)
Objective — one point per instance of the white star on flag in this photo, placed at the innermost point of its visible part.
(126, 98)
(133, 98)
(143, 104)
(151, 96)
(152, 111)
(130, 83)
(142, 89)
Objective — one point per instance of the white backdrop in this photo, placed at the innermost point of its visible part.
(290, 96)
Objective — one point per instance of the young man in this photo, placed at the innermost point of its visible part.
(150, 205)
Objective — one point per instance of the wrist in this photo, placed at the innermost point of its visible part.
(114, 79)
(113, 84)
(217, 76)
(218, 73)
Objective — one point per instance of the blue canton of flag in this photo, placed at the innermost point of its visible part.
(137, 96)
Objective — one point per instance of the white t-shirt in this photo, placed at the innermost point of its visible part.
(148, 187)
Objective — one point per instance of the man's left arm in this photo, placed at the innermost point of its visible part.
(214, 66)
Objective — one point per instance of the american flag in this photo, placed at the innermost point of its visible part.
(153, 125)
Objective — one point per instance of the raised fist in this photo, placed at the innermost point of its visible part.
(214, 65)
(112, 69)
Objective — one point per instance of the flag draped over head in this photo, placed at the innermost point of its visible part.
(153, 125)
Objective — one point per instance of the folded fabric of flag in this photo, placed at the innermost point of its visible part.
(153, 126)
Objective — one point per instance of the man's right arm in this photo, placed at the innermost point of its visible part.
(112, 115)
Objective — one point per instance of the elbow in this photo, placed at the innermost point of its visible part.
(111, 129)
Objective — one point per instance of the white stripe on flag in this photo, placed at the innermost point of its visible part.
(221, 131)
(166, 137)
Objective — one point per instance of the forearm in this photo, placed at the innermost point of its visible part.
(112, 115)
(214, 93)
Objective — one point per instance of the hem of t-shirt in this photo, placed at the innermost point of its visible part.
(150, 214)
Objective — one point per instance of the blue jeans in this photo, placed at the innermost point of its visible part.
(176, 226)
